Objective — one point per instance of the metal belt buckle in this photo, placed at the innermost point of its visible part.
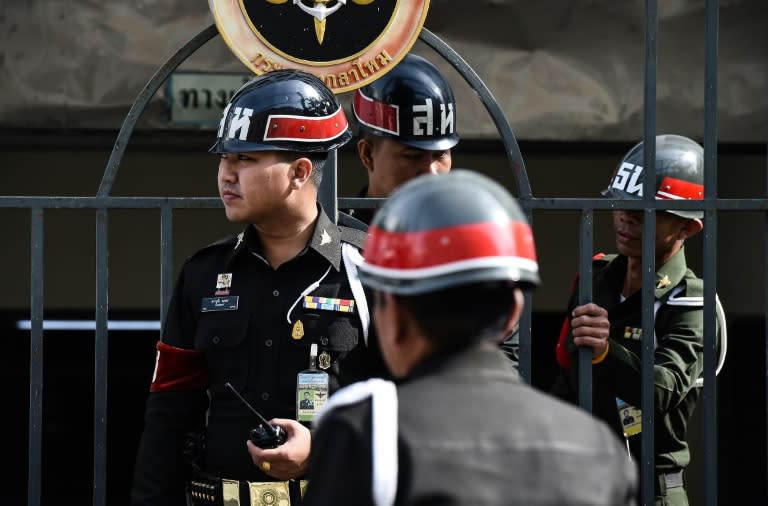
(269, 493)
(230, 492)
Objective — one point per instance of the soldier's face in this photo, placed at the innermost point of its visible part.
(253, 186)
(670, 231)
(390, 164)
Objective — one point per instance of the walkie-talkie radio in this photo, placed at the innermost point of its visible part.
(265, 435)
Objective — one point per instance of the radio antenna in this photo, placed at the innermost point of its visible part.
(242, 399)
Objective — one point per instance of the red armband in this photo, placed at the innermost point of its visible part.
(561, 350)
(178, 369)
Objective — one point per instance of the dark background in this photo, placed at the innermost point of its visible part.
(68, 410)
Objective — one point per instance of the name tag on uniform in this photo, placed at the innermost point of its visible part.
(220, 303)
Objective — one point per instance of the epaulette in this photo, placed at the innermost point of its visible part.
(690, 292)
(353, 236)
(602, 259)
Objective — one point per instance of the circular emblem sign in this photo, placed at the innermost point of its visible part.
(346, 43)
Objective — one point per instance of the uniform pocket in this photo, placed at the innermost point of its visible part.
(333, 332)
(226, 348)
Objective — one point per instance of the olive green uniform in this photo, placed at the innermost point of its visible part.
(678, 362)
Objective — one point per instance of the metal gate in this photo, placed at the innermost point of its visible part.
(102, 203)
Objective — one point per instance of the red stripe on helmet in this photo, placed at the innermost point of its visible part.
(376, 114)
(305, 129)
(441, 246)
(671, 188)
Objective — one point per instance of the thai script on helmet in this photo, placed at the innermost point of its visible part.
(627, 179)
(240, 123)
(423, 118)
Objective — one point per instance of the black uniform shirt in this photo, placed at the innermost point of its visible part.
(257, 347)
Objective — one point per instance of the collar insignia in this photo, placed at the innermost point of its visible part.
(325, 238)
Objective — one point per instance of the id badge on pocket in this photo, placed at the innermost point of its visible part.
(311, 394)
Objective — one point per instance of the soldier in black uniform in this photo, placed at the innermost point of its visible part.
(460, 428)
(248, 310)
(407, 127)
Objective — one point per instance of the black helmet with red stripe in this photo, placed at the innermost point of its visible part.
(412, 104)
(679, 173)
(283, 110)
(452, 229)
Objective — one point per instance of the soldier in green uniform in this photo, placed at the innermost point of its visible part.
(611, 325)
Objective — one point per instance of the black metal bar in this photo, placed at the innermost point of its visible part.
(112, 202)
(34, 482)
(647, 470)
(524, 351)
(647, 389)
(575, 204)
(101, 354)
(709, 395)
(166, 259)
(765, 312)
(586, 241)
(126, 130)
(712, 21)
(491, 105)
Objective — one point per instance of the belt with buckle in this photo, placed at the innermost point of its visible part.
(666, 481)
(206, 490)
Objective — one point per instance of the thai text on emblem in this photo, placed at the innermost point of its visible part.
(319, 10)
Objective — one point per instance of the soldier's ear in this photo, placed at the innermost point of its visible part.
(692, 227)
(365, 151)
(301, 168)
(515, 312)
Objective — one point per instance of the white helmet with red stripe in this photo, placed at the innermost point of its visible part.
(283, 110)
(412, 104)
(679, 173)
(452, 229)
